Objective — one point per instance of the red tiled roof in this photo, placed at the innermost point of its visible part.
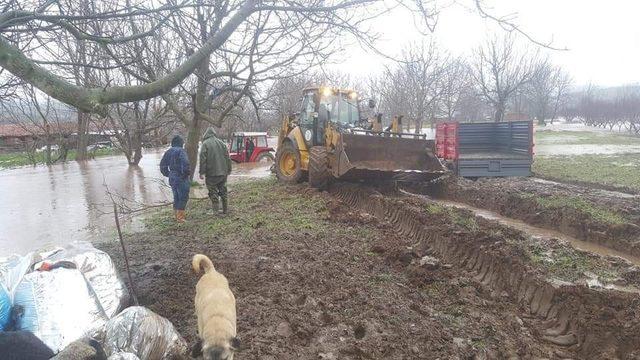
(24, 130)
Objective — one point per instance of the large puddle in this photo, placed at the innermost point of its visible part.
(584, 149)
(58, 204)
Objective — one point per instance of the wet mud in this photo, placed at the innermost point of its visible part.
(539, 233)
(354, 285)
(594, 323)
(377, 276)
(525, 199)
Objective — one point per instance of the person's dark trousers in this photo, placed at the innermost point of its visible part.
(217, 186)
(181, 194)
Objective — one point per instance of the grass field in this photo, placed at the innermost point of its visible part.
(21, 159)
(584, 138)
(617, 171)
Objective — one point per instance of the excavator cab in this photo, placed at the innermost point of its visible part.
(329, 139)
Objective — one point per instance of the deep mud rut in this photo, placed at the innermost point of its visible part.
(381, 279)
(594, 323)
(609, 218)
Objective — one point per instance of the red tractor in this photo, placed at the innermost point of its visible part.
(250, 147)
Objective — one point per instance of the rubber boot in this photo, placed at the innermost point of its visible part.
(181, 216)
(215, 206)
(225, 206)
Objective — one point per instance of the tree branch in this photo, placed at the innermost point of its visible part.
(95, 99)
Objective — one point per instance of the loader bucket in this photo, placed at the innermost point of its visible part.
(374, 157)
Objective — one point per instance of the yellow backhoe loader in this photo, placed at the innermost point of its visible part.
(329, 139)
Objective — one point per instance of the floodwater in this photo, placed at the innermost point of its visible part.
(58, 204)
(585, 149)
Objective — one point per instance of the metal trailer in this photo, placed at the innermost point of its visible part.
(486, 149)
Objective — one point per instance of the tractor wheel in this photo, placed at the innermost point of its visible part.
(319, 175)
(265, 157)
(288, 167)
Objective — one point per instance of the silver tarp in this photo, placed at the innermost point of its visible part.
(142, 332)
(12, 269)
(59, 307)
(98, 269)
(64, 304)
(123, 356)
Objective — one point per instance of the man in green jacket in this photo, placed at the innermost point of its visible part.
(215, 166)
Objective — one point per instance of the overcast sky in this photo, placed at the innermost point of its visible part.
(603, 37)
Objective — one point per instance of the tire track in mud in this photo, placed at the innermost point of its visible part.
(589, 321)
(521, 199)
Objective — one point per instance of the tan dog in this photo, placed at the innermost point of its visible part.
(216, 312)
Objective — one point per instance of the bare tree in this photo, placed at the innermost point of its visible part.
(46, 122)
(499, 70)
(561, 99)
(282, 98)
(611, 108)
(455, 84)
(546, 91)
(131, 123)
(103, 27)
(417, 83)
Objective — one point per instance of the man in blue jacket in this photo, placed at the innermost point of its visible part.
(175, 165)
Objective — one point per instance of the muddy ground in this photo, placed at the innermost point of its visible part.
(317, 276)
(605, 217)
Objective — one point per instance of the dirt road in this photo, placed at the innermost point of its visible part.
(356, 274)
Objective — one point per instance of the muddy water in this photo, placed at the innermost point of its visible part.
(534, 231)
(67, 202)
(585, 149)
(537, 232)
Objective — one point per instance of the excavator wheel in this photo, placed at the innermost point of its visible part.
(319, 175)
(288, 166)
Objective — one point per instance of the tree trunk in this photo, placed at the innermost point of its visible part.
(137, 148)
(499, 114)
(191, 146)
(137, 155)
(541, 118)
(47, 137)
(94, 99)
(47, 155)
(83, 137)
(200, 105)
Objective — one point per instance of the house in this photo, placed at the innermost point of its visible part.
(15, 137)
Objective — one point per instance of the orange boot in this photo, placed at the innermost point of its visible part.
(180, 216)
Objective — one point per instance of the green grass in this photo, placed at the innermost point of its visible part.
(616, 171)
(565, 263)
(435, 209)
(545, 137)
(562, 262)
(21, 159)
(259, 205)
(458, 217)
(578, 204)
